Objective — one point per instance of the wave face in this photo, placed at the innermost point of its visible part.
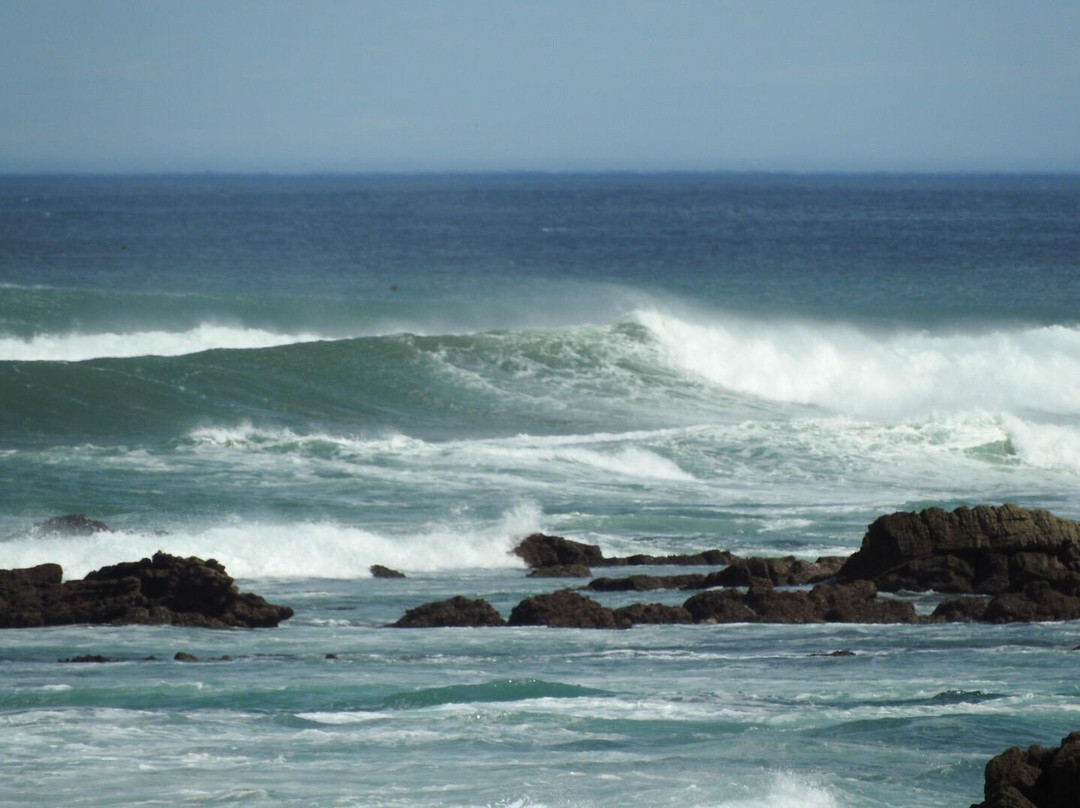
(650, 364)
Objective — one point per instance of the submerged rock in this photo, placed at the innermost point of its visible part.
(456, 612)
(987, 550)
(1034, 778)
(165, 589)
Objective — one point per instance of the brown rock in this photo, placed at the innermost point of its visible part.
(564, 609)
(379, 571)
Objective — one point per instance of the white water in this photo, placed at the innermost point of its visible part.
(76, 347)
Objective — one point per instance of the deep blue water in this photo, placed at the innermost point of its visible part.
(303, 376)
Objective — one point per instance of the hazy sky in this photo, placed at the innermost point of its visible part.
(368, 85)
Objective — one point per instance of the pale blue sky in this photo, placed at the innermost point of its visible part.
(327, 85)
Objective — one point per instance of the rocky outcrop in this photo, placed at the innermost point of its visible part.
(1034, 778)
(986, 550)
(825, 603)
(564, 609)
(456, 612)
(540, 550)
(163, 590)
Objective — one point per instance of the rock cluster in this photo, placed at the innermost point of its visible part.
(1012, 564)
(1034, 778)
(165, 589)
(986, 550)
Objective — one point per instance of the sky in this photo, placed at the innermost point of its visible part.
(502, 85)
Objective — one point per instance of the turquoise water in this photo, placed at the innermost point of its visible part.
(305, 376)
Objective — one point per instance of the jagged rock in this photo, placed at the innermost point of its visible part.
(457, 611)
(165, 589)
(540, 550)
(647, 583)
(88, 658)
(987, 549)
(840, 652)
(184, 656)
(1036, 777)
(825, 603)
(564, 609)
(652, 613)
(72, 524)
(561, 571)
(379, 571)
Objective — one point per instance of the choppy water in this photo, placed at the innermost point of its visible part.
(305, 376)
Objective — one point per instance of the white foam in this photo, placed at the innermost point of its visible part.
(76, 347)
(1045, 446)
(789, 791)
(299, 550)
(850, 370)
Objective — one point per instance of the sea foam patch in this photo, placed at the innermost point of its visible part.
(295, 550)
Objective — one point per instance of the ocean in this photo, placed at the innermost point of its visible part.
(302, 376)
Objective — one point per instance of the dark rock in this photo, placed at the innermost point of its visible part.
(540, 550)
(331, 656)
(28, 595)
(707, 558)
(652, 613)
(72, 524)
(564, 609)
(788, 571)
(561, 571)
(95, 658)
(379, 571)
(457, 611)
(841, 652)
(988, 550)
(184, 656)
(1036, 602)
(647, 583)
(163, 590)
(1036, 777)
(720, 606)
(960, 610)
(825, 603)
